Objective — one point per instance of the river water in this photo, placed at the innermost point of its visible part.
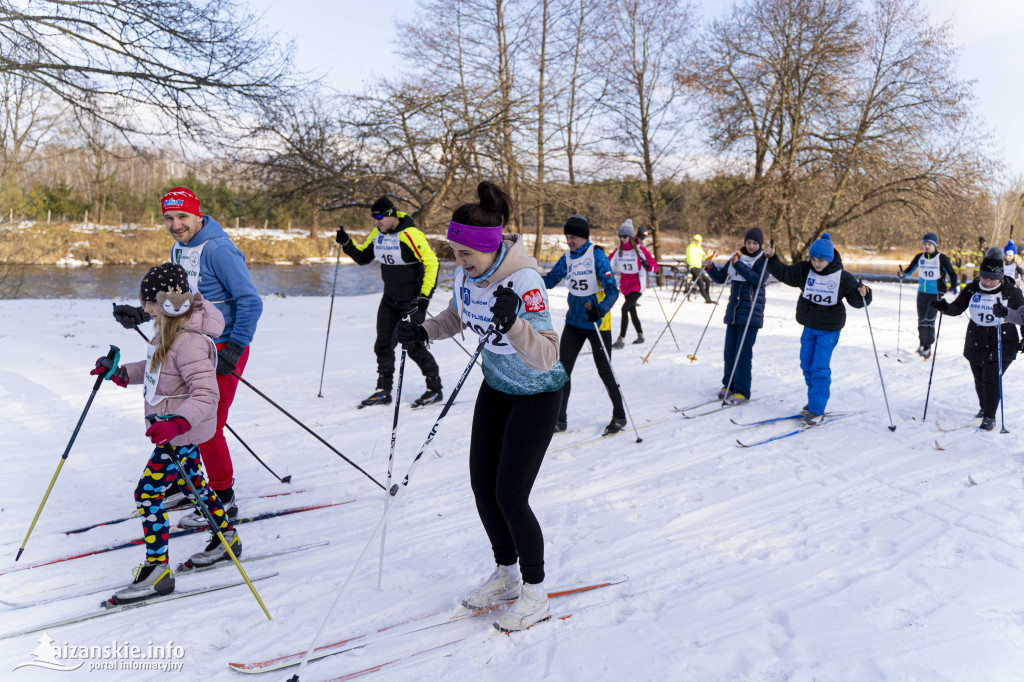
(122, 281)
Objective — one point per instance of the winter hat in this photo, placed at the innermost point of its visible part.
(754, 234)
(992, 264)
(930, 237)
(642, 231)
(578, 226)
(383, 207)
(167, 286)
(826, 236)
(1010, 248)
(822, 249)
(626, 229)
(697, 238)
(181, 199)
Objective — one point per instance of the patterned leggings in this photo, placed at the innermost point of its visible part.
(151, 490)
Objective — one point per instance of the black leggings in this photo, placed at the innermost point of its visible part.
(388, 317)
(569, 348)
(926, 318)
(629, 307)
(986, 385)
(510, 436)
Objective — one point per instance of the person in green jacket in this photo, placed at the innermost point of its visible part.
(695, 257)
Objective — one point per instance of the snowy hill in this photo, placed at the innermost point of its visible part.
(845, 553)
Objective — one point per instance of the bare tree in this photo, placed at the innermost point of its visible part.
(840, 112)
(188, 64)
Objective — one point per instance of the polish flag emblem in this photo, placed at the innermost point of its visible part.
(534, 301)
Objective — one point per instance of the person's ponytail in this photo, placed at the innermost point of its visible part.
(494, 208)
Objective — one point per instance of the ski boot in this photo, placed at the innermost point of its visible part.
(805, 410)
(151, 580)
(639, 339)
(215, 551)
(531, 607)
(737, 399)
(561, 426)
(921, 350)
(925, 353)
(722, 393)
(428, 398)
(619, 344)
(614, 426)
(196, 519)
(987, 424)
(980, 415)
(503, 585)
(381, 396)
(811, 419)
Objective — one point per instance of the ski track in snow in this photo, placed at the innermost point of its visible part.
(846, 553)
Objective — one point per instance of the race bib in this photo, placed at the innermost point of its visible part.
(581, 276)
(151, 377)
(980, 309)
(628, 262)
(189, 258)
(1010, 269)
(822, 289)
(387, 248)
(746, 260)
(475, 303)
(929, 268)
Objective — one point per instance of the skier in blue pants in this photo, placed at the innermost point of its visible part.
(823, 285)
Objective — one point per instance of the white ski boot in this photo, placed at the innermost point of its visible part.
(531, 607)
(195, 519)
(151, 580)
(503, 585)
(215, 551)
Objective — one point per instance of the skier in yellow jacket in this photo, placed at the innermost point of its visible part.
(695, 257)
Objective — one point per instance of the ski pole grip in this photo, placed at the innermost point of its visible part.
(114, 355)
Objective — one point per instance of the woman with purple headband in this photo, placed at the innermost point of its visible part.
(497, 283)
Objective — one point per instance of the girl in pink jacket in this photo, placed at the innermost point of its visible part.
(180, 390)
(633, 262)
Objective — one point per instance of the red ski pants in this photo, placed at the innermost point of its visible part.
(214, 452)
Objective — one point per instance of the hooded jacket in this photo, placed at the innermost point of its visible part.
(534, 367)
(980, 343)
(188, 375)
(746, 291)
(826, 318)
(403, 282)
(630, 282)
(225, 282)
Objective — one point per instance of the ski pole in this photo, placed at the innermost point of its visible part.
(214, 526)
(393, 492)
(114, 354)
(743, 337)
(665, 315)
(330, 314)
(391, 458)
(999, 356)
(286, 479)
(931, 373)
(608, 357)
(669, 323)
(892, 426)
(899, 315)
(307, 429)
(692, 357)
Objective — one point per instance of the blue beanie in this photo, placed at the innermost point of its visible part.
(822, 249)
(931, 237)
(1010, 248)
(826, 236)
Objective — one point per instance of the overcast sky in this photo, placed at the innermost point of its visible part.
(351, 41)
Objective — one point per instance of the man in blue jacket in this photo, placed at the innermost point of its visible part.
(217, 270)
(592, 293)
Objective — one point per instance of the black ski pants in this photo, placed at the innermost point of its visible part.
(986, 385)
(569, 348)
(926, 318)
(703, 283)
(629, 307)
(510, 435)
(388, 317)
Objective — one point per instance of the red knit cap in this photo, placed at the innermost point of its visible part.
(181, 199)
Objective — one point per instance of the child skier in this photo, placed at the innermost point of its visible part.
(180, 390)
(592, 293)
(1013, 266)
(989, 298)
(519, 398)
(633, 262)
(823, 285)
(743, 314)
(933, 269)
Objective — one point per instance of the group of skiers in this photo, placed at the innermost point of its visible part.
(205, 307)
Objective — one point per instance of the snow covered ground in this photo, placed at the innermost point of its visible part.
(845, 553)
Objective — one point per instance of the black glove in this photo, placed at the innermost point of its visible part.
(941, 305)
(341, 236)
(422, 302)
(227, 357)
(130, 316)
(410, 332)
(506, 305)
(1000, 310)
(594, 314)
(644, 264)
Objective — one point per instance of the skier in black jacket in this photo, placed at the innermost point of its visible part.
(989, 298)
(933, 270)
